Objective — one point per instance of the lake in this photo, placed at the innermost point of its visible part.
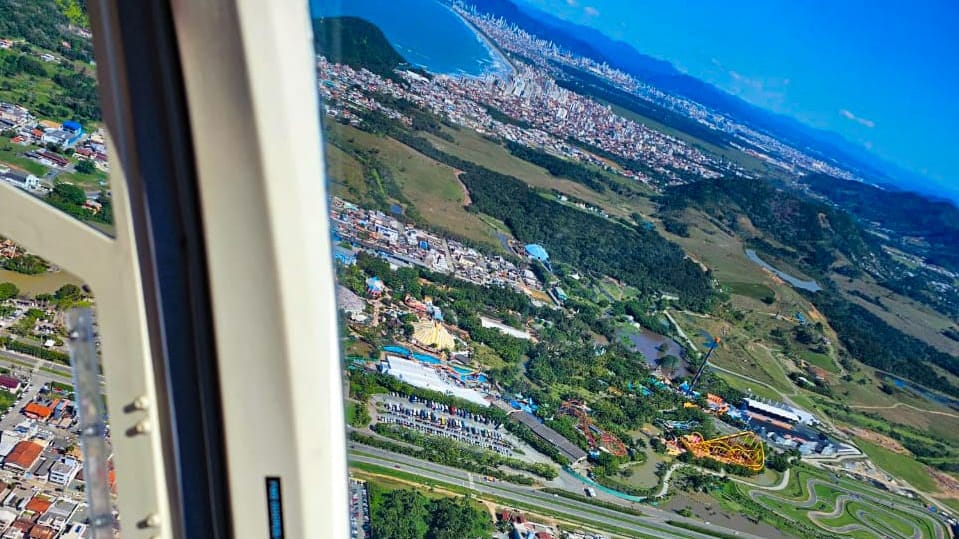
(450, 46)
(647, 343)
(811, 286)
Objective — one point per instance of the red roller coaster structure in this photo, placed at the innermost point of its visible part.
(606, 440)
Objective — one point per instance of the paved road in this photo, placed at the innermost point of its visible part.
(652, 523)
(10, 359)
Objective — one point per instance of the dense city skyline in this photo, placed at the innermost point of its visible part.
(880, 78)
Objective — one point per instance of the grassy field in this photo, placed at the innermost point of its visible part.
(6, 400)
(431, 186)
(12, 154)
(751, 290)
(723, 253)
(739, 351)
(345, 174)
(350, 411)
(902, 313)
(87, 181)
(749, 387)
(471, 146)
(819, 360)
(952, 503)
(901, 466)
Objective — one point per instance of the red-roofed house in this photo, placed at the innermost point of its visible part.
(18, 530)
(42, 532)
(38, 505)
(35, 410)
(23, 456)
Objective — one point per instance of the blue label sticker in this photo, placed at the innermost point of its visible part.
(274, 506)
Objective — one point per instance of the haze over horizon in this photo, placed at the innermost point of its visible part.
(882, 79)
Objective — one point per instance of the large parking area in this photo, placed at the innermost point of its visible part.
(359, 510)
(438, 419)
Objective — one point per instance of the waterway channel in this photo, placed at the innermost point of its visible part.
(811, 286)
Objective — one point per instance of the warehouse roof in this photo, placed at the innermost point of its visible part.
(566, 447)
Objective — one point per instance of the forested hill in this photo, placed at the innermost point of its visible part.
(813, 234)
(638, 256)
(908, 214)
(355, 42)
(49, 24)
(816, 231)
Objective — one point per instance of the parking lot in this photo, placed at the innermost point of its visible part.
(441, 420)
(359, 510)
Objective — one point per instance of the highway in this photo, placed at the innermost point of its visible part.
(652, 523)
(14, 360)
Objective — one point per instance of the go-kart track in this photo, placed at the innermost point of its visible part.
(838, 508)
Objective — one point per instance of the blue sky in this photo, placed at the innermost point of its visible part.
(883, 74)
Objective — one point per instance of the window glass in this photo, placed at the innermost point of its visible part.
(591, 282)
(53, 147)
(44, 482)
(52, 138)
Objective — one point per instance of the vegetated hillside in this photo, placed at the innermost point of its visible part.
(877, 344)
(815, 231)
(908, 214)
(638, 256)
(355, 42)
(47, 24)
(635, 255)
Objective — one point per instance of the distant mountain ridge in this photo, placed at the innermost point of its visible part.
(592, 43)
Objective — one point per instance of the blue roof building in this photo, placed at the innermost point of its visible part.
(538, 252)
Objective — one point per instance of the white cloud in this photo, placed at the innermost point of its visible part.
(572, 3)
(590, 11)
(862, 121)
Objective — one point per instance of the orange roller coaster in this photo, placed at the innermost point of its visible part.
(743, 449)
(606, 440)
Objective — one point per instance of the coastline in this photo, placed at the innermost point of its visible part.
(500, 60)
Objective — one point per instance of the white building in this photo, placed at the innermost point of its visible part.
(8, 439)
(64, 470)
(58, 514)
(19, 179)
(422, 376)
(7, 516)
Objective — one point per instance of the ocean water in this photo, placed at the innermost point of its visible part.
(425, 32)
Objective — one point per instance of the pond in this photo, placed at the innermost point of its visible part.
(811, 286)
(647, 343)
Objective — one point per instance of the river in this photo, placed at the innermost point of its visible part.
(811, 286)
(44, 283)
